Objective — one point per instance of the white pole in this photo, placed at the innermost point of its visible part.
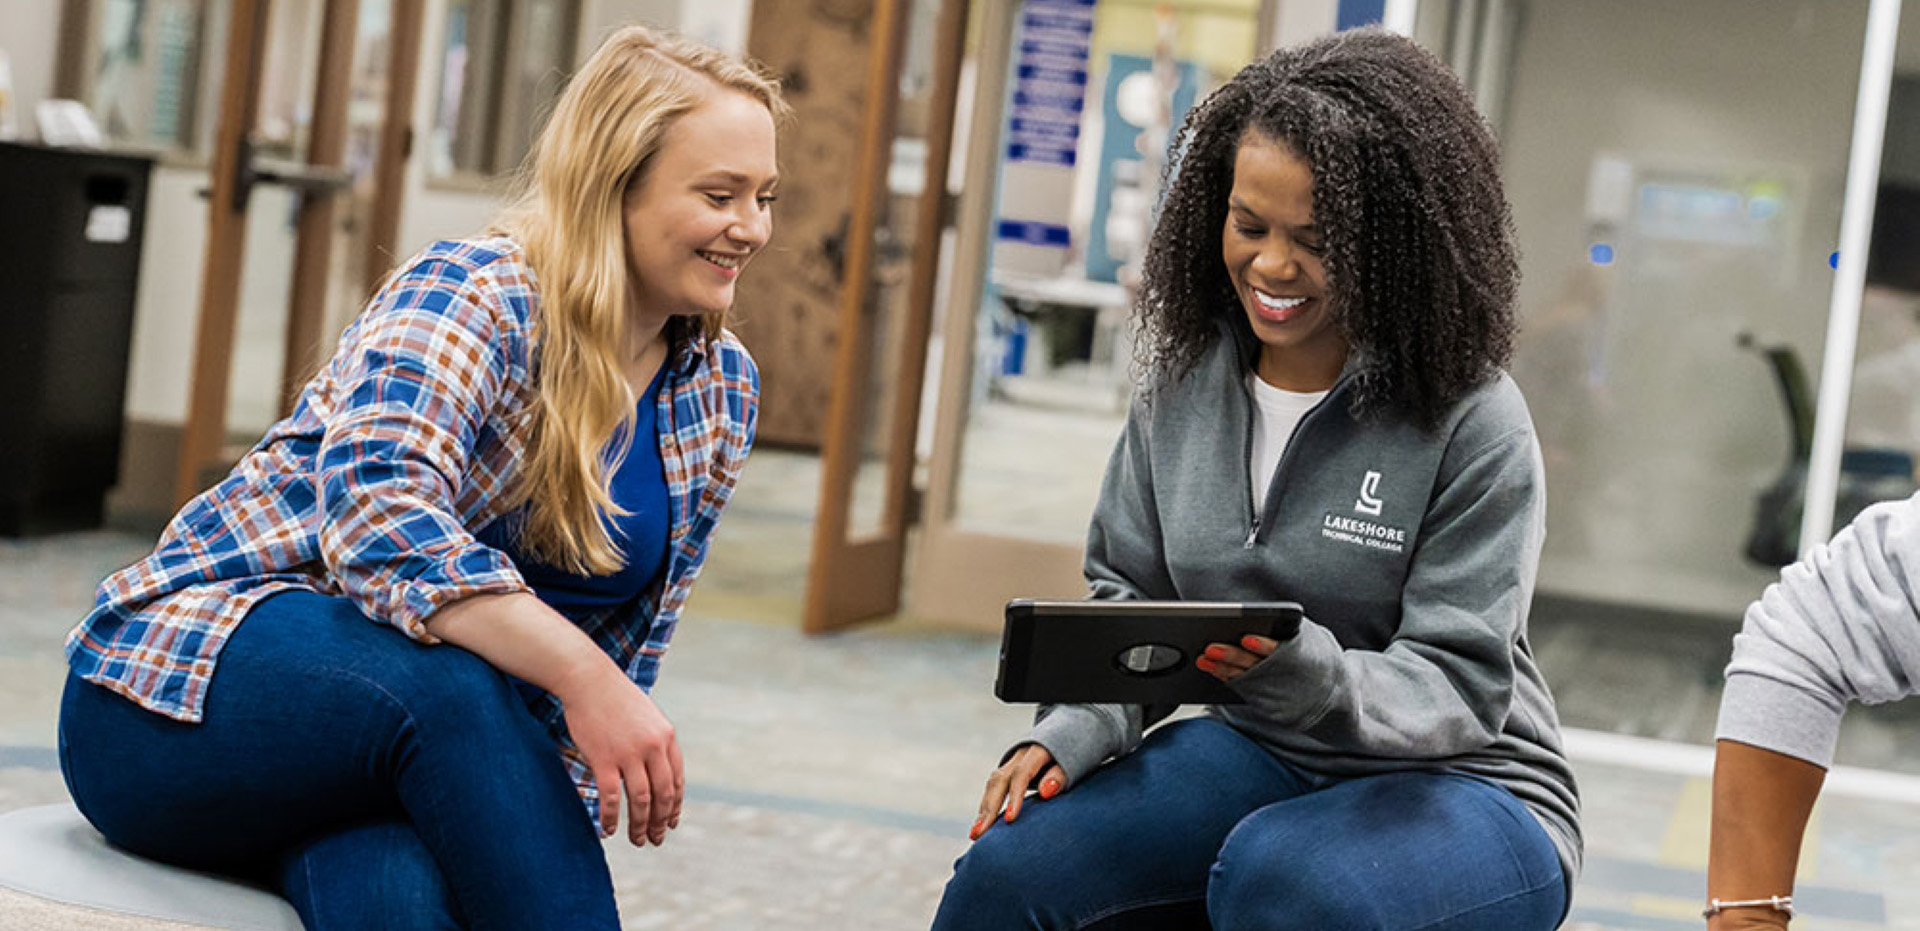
(1856, 228)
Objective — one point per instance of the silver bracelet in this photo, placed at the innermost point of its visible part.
(1779, 903)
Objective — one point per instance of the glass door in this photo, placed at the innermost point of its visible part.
(1679, 207)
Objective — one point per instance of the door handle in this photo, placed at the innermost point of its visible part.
(310, 181)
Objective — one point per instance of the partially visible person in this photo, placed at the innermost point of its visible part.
(1325, 314)
(1841, 626)
(397, 663)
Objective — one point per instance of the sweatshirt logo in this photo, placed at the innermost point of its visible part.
(1356, 531)
(1364, 533)
(1369, 502)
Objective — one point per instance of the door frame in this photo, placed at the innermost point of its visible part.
(853, 579)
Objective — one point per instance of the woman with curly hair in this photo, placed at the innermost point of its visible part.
(1326, 311)
(396, 664)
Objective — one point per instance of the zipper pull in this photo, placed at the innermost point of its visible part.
(1251, 534)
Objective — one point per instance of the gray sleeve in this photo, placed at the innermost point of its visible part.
(1082, 737)
(1842, 625)
(1444, 685)
(1124, 560)
(1126, 556)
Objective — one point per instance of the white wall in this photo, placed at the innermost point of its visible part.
(599, 17)
(168, 305)
(30, 35)
(719, 23)
(1297, 21)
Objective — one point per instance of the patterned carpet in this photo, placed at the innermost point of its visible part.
(832, 779)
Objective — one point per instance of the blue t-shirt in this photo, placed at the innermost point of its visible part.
(640, 487)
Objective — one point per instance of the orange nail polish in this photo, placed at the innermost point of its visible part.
(1251, 642)
(1204, 663)
(979, 827)
(1050, 788)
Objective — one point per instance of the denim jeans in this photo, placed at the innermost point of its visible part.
(1203, 828)
(376, 782)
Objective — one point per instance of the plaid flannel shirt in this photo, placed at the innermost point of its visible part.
(396, 452)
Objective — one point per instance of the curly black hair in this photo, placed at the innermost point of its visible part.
(1421, 267)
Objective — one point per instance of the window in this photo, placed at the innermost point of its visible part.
(139, 72)
(503, 63)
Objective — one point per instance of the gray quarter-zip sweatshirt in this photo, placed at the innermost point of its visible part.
(1413, 552)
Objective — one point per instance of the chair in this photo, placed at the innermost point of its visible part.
(1867, 475)
(58, 874)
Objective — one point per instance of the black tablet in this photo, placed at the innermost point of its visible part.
(1138, 652)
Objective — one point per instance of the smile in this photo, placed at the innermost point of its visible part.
(723, 260)
(1276, 303)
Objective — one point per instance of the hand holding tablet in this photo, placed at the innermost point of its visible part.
(1140, 652)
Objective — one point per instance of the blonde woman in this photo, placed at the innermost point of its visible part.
(384, 662)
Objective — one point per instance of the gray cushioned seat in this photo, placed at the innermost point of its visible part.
(58, 874)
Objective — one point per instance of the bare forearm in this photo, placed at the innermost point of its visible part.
(1761, 802)
(523, 637)
(627, 743)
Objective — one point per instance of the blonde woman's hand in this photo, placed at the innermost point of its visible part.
(631, 748)
(1008, 785)
(1228, 662)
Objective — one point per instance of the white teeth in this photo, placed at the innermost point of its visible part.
(1278, 303)
(724, 261)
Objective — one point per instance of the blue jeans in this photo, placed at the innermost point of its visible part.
(1203, 828)
(376, 782)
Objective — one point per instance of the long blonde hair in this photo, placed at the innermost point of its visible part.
(602, 137)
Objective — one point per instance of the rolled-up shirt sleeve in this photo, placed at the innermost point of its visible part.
(1842, 625)
(417, 380)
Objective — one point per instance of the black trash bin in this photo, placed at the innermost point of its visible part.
(70, 229)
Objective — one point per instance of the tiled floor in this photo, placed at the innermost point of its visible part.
(832, 779)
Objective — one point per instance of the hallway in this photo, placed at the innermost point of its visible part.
(832, 779)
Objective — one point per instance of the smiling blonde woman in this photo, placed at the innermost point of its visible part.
(383, 664)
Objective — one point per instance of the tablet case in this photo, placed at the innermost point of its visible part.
(1138, 652)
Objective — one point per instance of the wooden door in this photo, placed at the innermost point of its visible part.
(899, 213)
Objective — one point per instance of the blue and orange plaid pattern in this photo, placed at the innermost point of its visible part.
(405, 444)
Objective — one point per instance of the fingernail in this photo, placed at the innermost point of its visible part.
(1216, 651)
(1204, 663)
(1250, 641)
(979, 827)
(1050, 788)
